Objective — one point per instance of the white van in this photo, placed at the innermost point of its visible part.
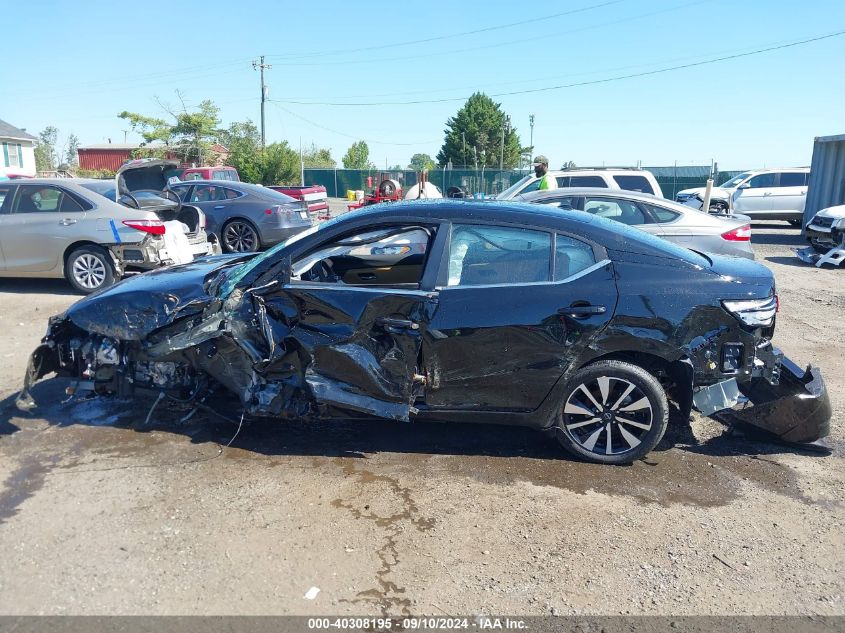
(628, 179)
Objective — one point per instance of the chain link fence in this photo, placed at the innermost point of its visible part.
(488, 182)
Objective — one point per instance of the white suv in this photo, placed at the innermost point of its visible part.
(766, 194)
(629, 179)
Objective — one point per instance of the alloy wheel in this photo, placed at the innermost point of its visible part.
(240, 237)
(608, 415)
(89, 271)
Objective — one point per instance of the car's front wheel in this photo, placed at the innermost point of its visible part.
(89, 268)
(240, 236)
(613, 413)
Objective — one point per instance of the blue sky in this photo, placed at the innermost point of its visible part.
(76, 65)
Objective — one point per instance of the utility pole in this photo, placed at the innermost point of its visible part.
(531, 122)
(260, 65)
(506, 124)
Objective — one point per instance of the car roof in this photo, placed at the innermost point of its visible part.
(600, 170)
(779, 169)
(612, 235)
(593, 191)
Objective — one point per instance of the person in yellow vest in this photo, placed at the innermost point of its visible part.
(541, 170)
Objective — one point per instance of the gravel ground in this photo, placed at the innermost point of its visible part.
(100, 514)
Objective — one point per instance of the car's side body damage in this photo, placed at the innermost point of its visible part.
(298, 348)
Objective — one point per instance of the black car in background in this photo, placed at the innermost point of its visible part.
(245, 217)
(454, 311)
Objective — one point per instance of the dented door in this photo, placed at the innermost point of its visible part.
(363, 344)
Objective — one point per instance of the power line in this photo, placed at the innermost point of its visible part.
(438, 38)
(576, 84)
(352, 136)
(496, 45)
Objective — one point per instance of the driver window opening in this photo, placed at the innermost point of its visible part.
(391, 256)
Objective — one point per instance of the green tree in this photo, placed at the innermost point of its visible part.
(189, 135)
(358, 156)
(479, 124)
(279, 164)
(318, 157)
(243, 140)
(45, 149)
(568, 165)
(420, 162)
(71, 147)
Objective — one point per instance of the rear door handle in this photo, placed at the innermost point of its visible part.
(220, 206)
(67, 221)
(582, 311)
(398, 324)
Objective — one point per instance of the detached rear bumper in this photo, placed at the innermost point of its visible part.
(797, 409)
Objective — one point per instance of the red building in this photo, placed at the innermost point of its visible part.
(112, 155)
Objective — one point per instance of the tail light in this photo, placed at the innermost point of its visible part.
(153, 227)
(739, 234)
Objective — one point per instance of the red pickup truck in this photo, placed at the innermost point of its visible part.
(315, 196)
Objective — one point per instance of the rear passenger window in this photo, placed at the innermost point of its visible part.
(231, 194)
(587, 181)
(492, 255)
(634, 183)
(35, 199)
(792, 179)
(571, 257)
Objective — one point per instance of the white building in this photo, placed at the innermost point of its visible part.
(18, 151)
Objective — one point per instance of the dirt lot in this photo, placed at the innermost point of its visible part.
(100, 514)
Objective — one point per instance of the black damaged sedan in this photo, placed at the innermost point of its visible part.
(453, 311)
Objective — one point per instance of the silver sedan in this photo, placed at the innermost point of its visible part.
(245, 217)
(719, 234)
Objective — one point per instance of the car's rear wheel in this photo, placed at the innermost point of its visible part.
(613, 413)
(239, 236)
(89, 268)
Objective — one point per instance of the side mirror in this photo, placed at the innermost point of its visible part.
(744, 185)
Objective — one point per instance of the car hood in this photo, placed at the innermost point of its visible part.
(139, 305)
(836, 212)
(714, 192)
(143, 173)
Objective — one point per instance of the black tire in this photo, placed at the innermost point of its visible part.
(89, 268)
(593, 401)
(821, 250)
(239, 236)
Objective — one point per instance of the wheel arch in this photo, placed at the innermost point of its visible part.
(80, 243)
(676, 376)
(240, 218)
